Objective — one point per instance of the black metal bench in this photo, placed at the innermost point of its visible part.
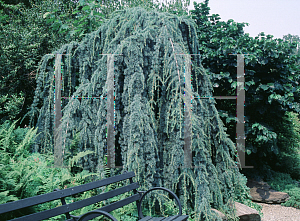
(67, 208)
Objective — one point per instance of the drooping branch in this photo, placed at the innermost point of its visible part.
(150, 133)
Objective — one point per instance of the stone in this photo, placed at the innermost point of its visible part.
(262, 192)
(245, 213)
(220, 214)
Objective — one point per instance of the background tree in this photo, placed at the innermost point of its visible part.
(294, 39)
(271, 84)
(25, 37)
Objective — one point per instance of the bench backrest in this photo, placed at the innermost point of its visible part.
(66, 208)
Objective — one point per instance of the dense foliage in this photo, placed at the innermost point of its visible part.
(24, 174)
(30, 29)
(272, 75)
(25, 37)
(149, 108)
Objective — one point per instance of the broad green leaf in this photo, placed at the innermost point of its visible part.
(264, 87)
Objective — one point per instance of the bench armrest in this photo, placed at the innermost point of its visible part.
(156, 188)
(85, 217)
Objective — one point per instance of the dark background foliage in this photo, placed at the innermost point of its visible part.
(271, 84)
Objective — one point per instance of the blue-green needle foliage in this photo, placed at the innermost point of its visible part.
(149, 109)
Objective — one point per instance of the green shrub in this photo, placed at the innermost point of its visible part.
(10, 106)
(288, 161)
(284, 183)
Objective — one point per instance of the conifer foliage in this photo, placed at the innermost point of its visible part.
(149, 109)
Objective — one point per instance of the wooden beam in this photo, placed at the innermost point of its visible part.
(58, 156)
(110, 112)
(188, 157)
(240, 102)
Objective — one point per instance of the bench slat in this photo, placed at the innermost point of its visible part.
(121, 203)
(31, 201)
(180, 218)
(147, 218)
(116, 205)
(171, 218)
(77, 205)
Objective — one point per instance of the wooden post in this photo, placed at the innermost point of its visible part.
(58, 157)
(188, 157)
(110, 112)
(240, 102)
(188, 154)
